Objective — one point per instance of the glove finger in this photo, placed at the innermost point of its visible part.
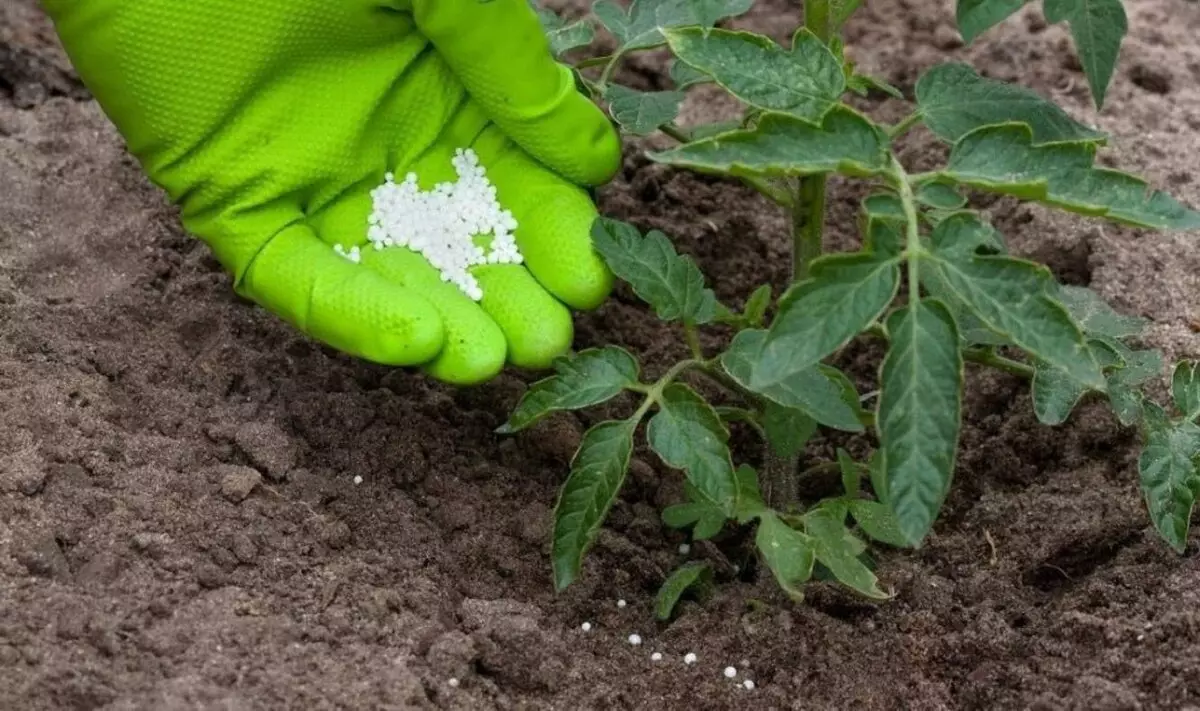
(537, 326)
(355, 310)
(475, 349)
(554, 221)
(500, 53)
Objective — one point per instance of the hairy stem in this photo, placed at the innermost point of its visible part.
(905, 124)
(808, 223)
(912, 243)
(693, 340)
(655, 391)
(988, 358)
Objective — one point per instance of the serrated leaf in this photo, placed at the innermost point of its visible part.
(783, 146)
(687, 434)
(587, 378)
(877, 521)
(920, 405)
(671, 283)
(862, 84)
(978, 16)
(677, 583)
(955, 100)
(1056, 393)
(1169, 477)
(1010, 297)
(965, 234)
(684, 76)
(597, 472)
(642, 112)
(750, 500)
(1095, 316)
(788, 429)
(1002, 159)
(838, 550)
(941, 196)
(789, 553)
(1123, 394)
(845, 294)
(1185, 389)
(1098, 28)
(642, 27)
(805, 81)
(811, 391)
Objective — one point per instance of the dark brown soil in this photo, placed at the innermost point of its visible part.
(179, 527)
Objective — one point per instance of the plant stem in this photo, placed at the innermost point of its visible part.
(606, 75)
(912, 246)
(655, 391)
(693, 341)
(817, 19)
(908, 122)
(808, 224)
(991, 360)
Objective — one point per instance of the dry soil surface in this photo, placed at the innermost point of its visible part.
(179, 527)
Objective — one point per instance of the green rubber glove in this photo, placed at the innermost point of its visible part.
(270, 121)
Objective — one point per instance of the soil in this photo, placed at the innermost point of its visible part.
(180, 527)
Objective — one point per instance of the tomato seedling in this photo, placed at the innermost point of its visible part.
(933, 280)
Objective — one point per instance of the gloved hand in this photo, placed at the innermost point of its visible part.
(270, 121)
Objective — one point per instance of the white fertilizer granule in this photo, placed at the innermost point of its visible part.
(455, 226)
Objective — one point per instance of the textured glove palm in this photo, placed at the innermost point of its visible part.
(270, 121)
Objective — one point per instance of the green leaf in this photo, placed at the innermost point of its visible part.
(677, 583)
(877, 521)
(750, 501)
(1010, 297)
(708, 130)
(788, 429)
(940, 196)
(789, 553)
(845, 294)
(978, 16)
(840, 11)
(783, 146)
(1169, 477)
(1123, 394)
(642, 112)
(805, 81)
(1095, 316)
(642, 27)
(597, 473)
(850, 394)
(707, 520)
(811, 391)
(1185, 389)
(885, 236)
(614, 18)
(1055, 393)
(920, 405)
(862, 84)
(1002, 159)
(587, 378)
(688, 435)
(564, 36)
(838, 549)
(955, 101)
(877, 469)
(685, 76)
(671, 283)
(1098, 28)
(756, 306)
(885, 206)
(965, 234)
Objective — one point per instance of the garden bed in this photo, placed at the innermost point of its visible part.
(180, 525)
